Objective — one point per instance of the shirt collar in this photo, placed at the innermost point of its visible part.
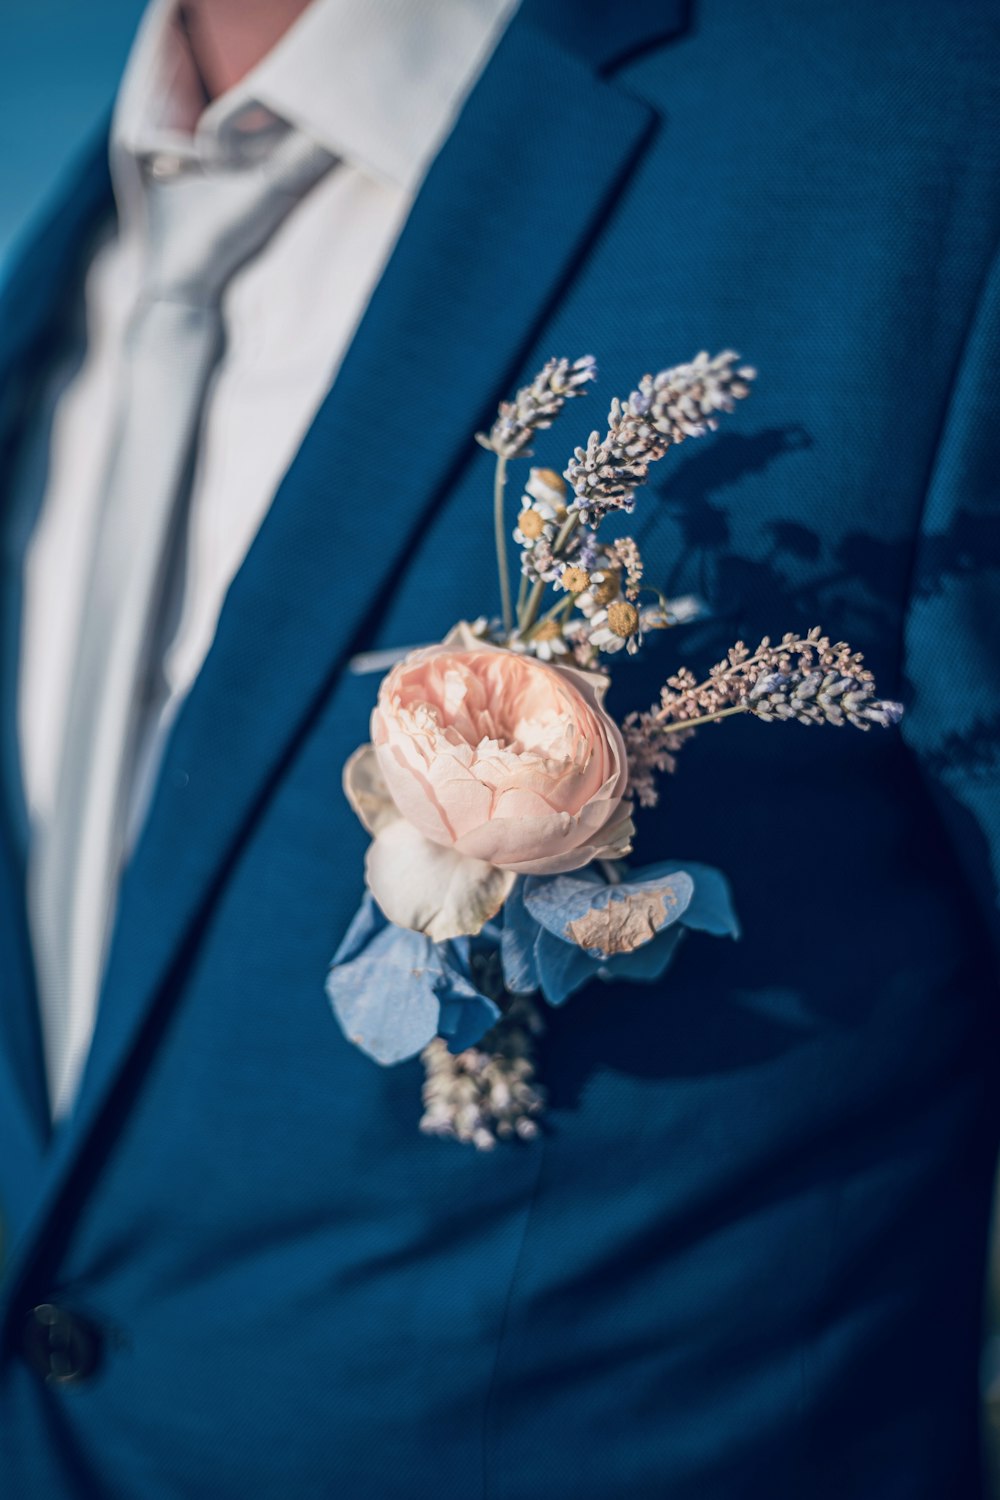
(378, 84)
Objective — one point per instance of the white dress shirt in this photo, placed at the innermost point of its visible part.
(379, 85)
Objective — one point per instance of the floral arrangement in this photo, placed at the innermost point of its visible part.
(500, 794)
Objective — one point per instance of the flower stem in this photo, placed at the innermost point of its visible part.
(564, 607)
(721, 713)
(500, 532)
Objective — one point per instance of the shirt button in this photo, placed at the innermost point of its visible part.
(62, 1347)
(163, 164)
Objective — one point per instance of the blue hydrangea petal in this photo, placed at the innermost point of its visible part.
(392, 990)
(366, 922)
(466, 1016)
(711, 908)
(554, 900)
(558, 901)
(517, 945)
(644, 964)
(385, 995)
(536, 953)
(563, 968)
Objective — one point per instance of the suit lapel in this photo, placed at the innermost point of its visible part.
(542, 148)
(46, 270)
(34, 297)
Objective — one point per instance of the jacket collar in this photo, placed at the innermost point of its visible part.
(377, 84)
(606, 36)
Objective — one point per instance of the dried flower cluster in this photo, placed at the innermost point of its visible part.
(542, 515)
(582, 596)
(665, 409)
(597, 583)
(652, 746)
(730, 682)
(625, 554)
(805, 678)
(536, 406)
(486, 1093)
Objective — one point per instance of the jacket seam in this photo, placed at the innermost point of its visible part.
(508, 1302)
(947, 412)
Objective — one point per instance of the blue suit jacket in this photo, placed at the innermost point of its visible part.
(746, 1260)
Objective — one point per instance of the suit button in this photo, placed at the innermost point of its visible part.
(62, 1347)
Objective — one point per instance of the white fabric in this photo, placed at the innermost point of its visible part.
(202, 226)
(378, 85)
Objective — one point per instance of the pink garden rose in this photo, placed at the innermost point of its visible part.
(485, 765)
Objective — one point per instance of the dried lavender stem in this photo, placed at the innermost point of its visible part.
(500, 533)
(664, 713)
(723, 713)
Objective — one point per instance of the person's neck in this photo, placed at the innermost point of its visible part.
(225, 39)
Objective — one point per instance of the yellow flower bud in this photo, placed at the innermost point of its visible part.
(608, 587)
(575, 580)
(548, 486)
(531, 524)
(623, 618)
(551, 479)
(549, 630)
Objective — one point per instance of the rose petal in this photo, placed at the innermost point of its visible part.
(462, 637)
(513, 762)
(429, 888)
(366, 791)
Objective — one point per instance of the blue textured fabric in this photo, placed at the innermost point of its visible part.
(746, 1260)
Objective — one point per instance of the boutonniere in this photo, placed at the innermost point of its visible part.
(500, 793)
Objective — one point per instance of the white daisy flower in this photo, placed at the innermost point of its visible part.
(615, 627)
(605, 586)
(548, 490)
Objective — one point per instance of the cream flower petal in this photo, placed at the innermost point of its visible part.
(431, 889)
(366, 791)
(463, 638)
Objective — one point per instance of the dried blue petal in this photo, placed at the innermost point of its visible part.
(631, 929)
(605, 919)
(710, 908)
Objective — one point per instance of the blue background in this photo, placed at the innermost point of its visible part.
(60, 61)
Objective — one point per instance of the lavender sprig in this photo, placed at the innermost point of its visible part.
(536, 406)
(805, 678)
(821, 698)
(678, 403)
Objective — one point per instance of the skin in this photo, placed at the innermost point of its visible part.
(222, 40)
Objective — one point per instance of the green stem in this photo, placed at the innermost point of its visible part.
(563, 607)
(500, 533)
(722, 713)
